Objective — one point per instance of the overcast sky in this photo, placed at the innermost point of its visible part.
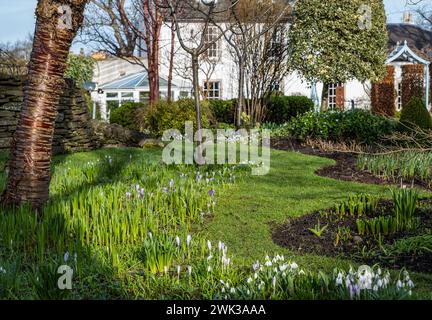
(17, 17)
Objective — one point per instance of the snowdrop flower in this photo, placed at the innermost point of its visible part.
(410, 284)
(2, 270)
(233, 291)
(249, 280)
(128, 195)
(178, 241)
(399, 285)
(255, 275)
(283, 267)
(137, 187)
(339, 279)
(223, 290)
(190, 270)
(268, 264)
(379, 283)
(274, 282)
(75, 257)
(209, 269)
(209, 257)
(150, 235)
(188, 239)
(375, 288)
(178, 270)
(294, 266)
(165, 269)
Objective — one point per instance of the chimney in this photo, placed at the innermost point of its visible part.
(408, 17)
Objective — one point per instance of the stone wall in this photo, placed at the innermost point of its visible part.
(73, 132)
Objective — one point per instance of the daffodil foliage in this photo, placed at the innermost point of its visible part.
(338, 40)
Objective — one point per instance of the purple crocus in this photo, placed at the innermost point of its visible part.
(171, 183)
(165, 190)
(212, 192)
(66, 257)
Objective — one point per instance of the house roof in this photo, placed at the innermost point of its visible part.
(419, 39)
(403, 52)
(133, 81)
(221, 10)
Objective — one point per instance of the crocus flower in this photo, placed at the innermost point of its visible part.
(256, 265)
(212, 192)
(165, 190)
(209, 245)
(66, 257)
(171, 183)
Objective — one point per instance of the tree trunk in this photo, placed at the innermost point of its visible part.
(199, 159)
(153, 24)
(30, 164)
(324, 97)
(171, 62)
(241, 95)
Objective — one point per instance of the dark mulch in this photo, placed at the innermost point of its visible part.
(296, 236)
(346, 165)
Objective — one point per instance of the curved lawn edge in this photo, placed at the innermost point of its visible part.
(246, 214)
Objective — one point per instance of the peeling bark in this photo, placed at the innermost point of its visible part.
(30, 164)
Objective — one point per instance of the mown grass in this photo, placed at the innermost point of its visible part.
(245, 216)
(114, 266)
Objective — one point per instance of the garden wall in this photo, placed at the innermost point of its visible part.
(73, 131)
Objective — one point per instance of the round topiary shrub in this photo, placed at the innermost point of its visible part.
(415, 114)
(126, 115)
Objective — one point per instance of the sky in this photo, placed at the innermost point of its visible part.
(17, 17)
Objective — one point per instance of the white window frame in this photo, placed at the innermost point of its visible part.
(399, 96)
(332, 96)
(214, 50)
(210, 93)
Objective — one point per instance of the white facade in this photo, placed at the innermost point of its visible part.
(223, 70)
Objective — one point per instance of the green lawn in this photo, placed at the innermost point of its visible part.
(244, 214)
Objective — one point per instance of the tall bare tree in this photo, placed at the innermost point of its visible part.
(30, 165)
(258, 45)
(196, 43)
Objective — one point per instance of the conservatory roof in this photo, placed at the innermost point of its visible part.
(133, 81)
(402, 52)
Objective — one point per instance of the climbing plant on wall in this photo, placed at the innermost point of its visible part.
(383, 94)
(412, 82)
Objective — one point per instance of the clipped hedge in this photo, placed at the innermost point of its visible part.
(126, 115)
(350, 126)
(223, 110)
(172, 115)
(281, 109)
(415, 114)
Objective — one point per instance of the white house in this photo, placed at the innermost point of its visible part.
(408, 44)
